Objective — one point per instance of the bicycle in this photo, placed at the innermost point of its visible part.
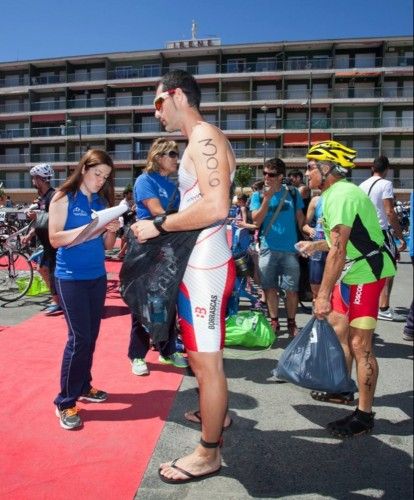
(16, 271)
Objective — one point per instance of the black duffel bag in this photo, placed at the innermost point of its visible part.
(150, 276)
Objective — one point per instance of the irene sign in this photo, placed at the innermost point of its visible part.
(194, 43)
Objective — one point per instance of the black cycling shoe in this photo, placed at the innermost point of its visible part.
(359, 422)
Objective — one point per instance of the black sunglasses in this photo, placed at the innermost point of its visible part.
(171, 154)
(269, 174)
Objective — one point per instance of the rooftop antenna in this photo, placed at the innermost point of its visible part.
(193, 30)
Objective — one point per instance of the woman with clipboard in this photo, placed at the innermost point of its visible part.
(81, 276)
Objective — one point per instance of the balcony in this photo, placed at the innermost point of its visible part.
(11, 107)
(47, 105)
(14, 133)
(284, 62)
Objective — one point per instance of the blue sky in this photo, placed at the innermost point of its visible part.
(53, 28)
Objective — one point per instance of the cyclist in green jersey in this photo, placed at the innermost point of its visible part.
(357, 264)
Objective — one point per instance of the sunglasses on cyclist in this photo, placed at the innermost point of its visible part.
(171, 154)
(269, 174)
(158, 101)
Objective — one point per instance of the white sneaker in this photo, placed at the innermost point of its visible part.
(390, 315)
(139, 367)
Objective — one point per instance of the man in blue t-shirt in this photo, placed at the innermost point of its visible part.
(278, 261)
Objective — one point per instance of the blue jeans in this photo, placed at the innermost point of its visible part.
(83, 303)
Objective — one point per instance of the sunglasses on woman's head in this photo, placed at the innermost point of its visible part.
(158, 101)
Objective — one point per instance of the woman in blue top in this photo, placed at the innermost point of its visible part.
(81, 276)
(314, 229)
(154, 194)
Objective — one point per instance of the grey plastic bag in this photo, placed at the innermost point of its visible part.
(315, 360)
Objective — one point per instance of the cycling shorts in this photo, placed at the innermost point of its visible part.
(358, 302)
(202, 304)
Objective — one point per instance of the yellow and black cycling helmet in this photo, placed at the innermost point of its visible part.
(332, 151)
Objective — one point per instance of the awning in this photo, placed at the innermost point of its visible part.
(301, 139)
(48, 118)
(357, 73)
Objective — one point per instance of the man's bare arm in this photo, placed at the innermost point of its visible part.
(335, 259)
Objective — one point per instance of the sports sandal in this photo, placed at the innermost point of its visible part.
(356, 424)
(197, 418)
(342, 398)
(190, 477)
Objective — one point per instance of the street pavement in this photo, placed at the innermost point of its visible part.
(277, 446)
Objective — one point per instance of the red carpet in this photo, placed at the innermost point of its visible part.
(108, 456)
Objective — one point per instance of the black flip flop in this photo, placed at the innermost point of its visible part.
(190, 477)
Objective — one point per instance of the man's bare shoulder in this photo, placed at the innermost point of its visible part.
(204, 131)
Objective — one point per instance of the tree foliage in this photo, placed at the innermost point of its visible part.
(243, 176)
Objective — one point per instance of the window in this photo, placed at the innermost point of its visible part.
(210, 118)
(150, 124)
(148, 97)
(234, 95)
(236, 65)
(364, 89)
(389, 118)
(266, 92)
(297, 91)
(206, 67)
(320, 62)
(320, 90)
(265, 64)
(122, 177)
(407, 118)
(178, 65)
(123, 99)
(97, 73)
(388, 148)
(341, 90)
(342, 61)
(319, 120)
(366, 60)
(300, 62)
(12, 155)
(270, 121)
(236, 121)
(363, 119)
(364, 148)
(408, 88)
(150, 70)
(390, 89)
(208, 94)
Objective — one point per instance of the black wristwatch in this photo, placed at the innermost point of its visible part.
(159, 221)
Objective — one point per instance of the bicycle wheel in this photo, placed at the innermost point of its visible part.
(16, 276)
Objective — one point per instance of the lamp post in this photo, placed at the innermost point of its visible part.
(69, 123)
(310, 111)
(264, 109)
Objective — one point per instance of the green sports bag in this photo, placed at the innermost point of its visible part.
(249, 329)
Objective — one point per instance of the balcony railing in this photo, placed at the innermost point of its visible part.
(156, 70)
(245, 97)
(227, 123)
(128, 154)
